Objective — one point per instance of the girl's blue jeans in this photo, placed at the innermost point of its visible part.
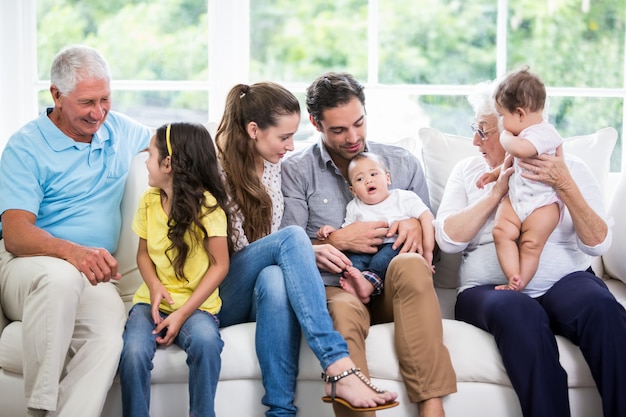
(199, 337)
(275, 281)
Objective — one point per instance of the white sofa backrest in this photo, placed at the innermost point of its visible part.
(126, 253)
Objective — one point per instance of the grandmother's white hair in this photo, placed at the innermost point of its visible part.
(481, 98)
(482, 102)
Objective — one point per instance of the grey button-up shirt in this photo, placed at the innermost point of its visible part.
(316, 193)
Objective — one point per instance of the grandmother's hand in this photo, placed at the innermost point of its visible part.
(501, 186)
(548, 169)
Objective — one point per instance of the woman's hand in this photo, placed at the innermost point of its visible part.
(501, 187)
(331, 259)
(591, 229)
(548, 169)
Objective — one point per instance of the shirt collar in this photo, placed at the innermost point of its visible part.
(325, 156)
(59, 141)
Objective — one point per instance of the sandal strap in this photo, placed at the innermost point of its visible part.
(367, 382)
(356, 371)
(335, 378)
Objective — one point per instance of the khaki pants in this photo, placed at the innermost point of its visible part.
(71, 333)
(410, 301)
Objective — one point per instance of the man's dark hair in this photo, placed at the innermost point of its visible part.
(331, 90)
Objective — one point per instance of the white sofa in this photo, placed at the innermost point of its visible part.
(483, 387)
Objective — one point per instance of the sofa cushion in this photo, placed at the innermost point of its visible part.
(440, 152)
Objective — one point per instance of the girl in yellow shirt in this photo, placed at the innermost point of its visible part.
(183, 256)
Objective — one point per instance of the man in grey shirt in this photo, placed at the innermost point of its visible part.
(316, 192)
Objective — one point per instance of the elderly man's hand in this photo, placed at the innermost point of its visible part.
(97, 264)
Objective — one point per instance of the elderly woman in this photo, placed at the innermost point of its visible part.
(564, 297)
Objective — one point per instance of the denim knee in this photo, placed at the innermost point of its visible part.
(270, 288)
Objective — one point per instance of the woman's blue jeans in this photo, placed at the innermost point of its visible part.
(199, 337)
(275, 281)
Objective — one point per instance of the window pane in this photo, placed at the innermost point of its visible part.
(296, 41)
(574, 116)
(437, 42)
(141, 39)
(569, 43)
(154, 108)
(392, 116)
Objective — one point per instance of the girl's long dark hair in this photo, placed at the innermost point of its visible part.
(194, 171)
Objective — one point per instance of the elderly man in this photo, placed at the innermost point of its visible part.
(62, 178)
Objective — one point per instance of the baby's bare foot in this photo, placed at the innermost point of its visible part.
(362, 287)
(347, 287)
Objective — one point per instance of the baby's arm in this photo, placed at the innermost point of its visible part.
(428, 236)
(488, 177)
(324, 232)
(517, 146)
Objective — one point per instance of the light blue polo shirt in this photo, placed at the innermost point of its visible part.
(73, 188)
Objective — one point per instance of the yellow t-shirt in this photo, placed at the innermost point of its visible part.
(150, 223)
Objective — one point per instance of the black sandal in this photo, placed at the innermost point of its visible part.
(356, 371)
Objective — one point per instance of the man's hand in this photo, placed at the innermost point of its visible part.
(409, 233)
(23, 238)
(97, 264)
(361, 237)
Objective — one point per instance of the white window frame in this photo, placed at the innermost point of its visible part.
(228, 64)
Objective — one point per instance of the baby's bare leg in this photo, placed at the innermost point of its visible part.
(505, 234)
(355, 283)
(535, 231)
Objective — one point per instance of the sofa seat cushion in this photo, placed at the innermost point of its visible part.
(474, 356)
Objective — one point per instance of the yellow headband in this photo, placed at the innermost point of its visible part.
(167, 139)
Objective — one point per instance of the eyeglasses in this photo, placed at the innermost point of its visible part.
(484, 134)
